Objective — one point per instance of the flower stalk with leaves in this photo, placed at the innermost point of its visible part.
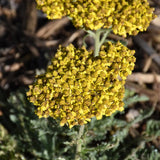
(81, 84)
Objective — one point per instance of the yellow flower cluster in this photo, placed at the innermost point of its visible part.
(124, 16)
(78, 86)
(55, 9)
(133, 16)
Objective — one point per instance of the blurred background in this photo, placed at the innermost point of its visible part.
(28, 41)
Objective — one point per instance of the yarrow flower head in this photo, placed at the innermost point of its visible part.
(124, 16)
(78, 86)
(55, 9)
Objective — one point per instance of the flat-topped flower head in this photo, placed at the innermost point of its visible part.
(132, 16)
(124, 16)
(78, 86)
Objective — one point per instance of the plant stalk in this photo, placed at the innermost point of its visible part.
(98, 41)
(79, 143)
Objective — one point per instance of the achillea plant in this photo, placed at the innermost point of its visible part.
(81, 84)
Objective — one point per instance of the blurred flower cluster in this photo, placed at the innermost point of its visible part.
(78, 86)
(124, 16)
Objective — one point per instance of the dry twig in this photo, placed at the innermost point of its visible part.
(143, 78)
(51, 28)
(73, 37)
(149, 50)
(151, 94)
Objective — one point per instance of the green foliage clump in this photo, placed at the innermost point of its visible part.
(43, 139)
(8, 146)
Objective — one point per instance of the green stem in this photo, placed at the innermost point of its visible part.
(98, 41)
(79, 143)
(107, 31)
